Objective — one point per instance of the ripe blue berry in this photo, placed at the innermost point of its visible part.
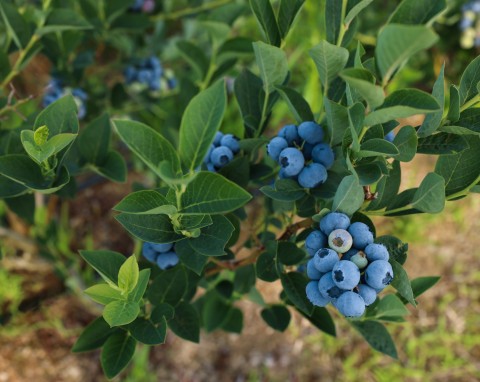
(325, 259)
(379, 274)
(313, 294)
(312, 175)
(292, 161)
(376, 252)
(312, 272)
(368, 294)
(231, 142)
(361, 235)
(149, 252)
(334, 220)
(221, 156)
(162, 247)
(359, 259)
(314, 241)
(310, 132)
(289, 133)
(167, 260)
(328, 288)
(275, 147)
(340, 240)
(323, 154)
(346, 274)
(350, 304)
(390, 136)
(218, 138)
(349, 254)
(206, 160)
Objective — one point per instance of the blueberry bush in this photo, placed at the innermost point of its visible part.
(186, 93)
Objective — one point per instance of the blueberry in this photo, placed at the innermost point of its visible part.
(79, 93)
(334, 220)
(310, 132)
(209, 153)
(368, 294)
(290, 134)
(361, 234)
(149, 252)
(292, 161)
(312, 175)
(313, 294)
(162, 247)
(231, 142)
(376, 252)
(379, 274)
(328, 288)
(349, 254)
(167, 260)
(218, 138)
(144, 76)
(282, 175)
(275, 147)
(323, 154)
(314, 241)
(340, 240)
(325, 259)
(312, 272)
(211, 167)
(221, 156)
(155, 84)
(307, 150)
(346, 274)
(390, 136)
(350, 304)
(359, 259)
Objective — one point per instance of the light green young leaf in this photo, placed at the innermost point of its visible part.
(128, 275)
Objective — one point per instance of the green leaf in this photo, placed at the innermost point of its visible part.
(185, 323)
(263, 11)
(93, 336)
(113, 168)
(441, 144)
(460, 171)
(148, 332)
(106, 263)
(244, 279)
(329, 60)
(401, 282)
(137, 293)
(151, 228)
(337, 118)
(401, 104)
(352, 13)
(117, 353)
(190, 257)
(103, 294)
(390, 306)
(128, 275)
(288, 253)
(149, 202)
(349, 196)
(468, 82)
(433, 121)
(148, 145)
(266, 266)
(234, 321)
(94, 140)
(286, 190)
(468, 123)
(378, 146)
(272, 62)
(287, 12)
(377, 336)
(210, 193)
(364, 83)
(454, 108)
(422, 284)
(430, 196)
(406, 141)
(119, 313)
(250, 95)
(294, 285)
(40, 137)
(215, 311)
(195, 56)
(322, 320)
(40, 153)
(61, 20)
(276, 316)
(333, 19)
(296, 103)
(60, 117)
(387, 188)
(200, 121)
(417, 12)
(168, 287)
(397, 43)
(15, 24)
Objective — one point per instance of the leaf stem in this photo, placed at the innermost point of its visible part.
(470, 103)
(343, 27)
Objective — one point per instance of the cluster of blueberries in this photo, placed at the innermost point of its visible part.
(302, 154)
(150, 73)
(222, 151)
(346, 267)
(162, 254)
(56, 90)
(470, 24)
(145, 6)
